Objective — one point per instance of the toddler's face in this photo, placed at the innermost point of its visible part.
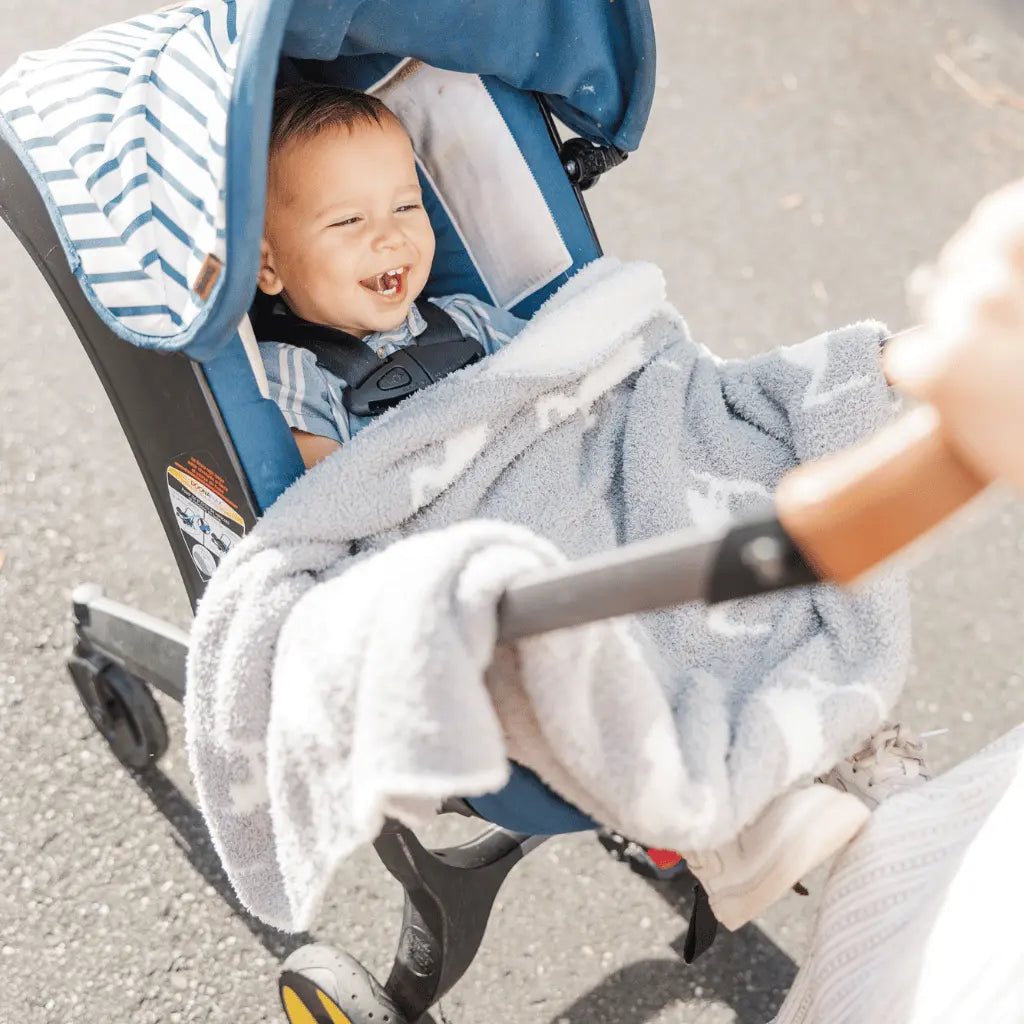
(346, 239)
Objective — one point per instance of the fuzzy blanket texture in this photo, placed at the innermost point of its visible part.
(343, 665)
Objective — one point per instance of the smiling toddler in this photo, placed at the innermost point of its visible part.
(348, 245)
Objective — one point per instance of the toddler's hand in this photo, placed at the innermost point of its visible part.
(968, 361)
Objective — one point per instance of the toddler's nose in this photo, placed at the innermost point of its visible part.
(389, 237)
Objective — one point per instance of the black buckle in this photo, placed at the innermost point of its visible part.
(408, 370)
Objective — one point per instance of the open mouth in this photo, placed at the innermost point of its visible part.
(389, 284)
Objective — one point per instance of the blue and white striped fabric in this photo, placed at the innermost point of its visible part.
(147, 140)
(126, 128)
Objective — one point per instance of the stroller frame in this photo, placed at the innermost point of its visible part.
(120, 654)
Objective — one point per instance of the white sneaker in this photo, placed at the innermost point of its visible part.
(891, 761)
(793, 835)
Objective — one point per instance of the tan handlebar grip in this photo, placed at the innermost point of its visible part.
(852, 510)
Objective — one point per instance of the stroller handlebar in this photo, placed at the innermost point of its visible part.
(854, 509)
(686, 565)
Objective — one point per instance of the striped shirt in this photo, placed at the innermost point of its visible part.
(309, 395)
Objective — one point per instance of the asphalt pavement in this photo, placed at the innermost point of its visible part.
(801, 160)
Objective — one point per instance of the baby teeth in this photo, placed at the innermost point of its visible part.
(387, 282)
(384, 281)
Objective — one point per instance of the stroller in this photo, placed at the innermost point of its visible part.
(140, 198)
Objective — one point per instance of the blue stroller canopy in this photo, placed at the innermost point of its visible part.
(592, 59)
(154, 167)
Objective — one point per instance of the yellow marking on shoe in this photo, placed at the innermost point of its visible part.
(333, 1010)
(296, 1008)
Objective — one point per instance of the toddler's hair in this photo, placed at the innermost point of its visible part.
(306, 109)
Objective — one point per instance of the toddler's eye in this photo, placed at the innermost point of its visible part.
(408, 206)
(346, 222)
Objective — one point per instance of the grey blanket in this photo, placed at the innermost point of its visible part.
(343, 664)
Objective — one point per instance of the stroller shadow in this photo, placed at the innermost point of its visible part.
(192, 837)
(744, 970)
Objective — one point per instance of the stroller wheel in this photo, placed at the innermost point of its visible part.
(123, 709)
(320, 985)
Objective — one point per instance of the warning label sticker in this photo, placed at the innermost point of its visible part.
(207, 517)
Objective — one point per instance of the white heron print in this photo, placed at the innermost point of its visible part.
(815, 357)
(715, 501)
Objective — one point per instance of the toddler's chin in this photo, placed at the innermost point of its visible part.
(392, 321)
(391, 324)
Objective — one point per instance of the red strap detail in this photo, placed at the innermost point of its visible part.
(664, 859)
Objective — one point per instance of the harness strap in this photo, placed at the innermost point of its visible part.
(441, 326)
(345, 355)
(375, 384)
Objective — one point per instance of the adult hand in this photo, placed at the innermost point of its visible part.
(968, 361)
(856, 508)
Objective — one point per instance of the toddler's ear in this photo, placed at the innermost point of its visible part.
(269, 282)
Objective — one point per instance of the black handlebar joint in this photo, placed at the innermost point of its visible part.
(585, 162)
